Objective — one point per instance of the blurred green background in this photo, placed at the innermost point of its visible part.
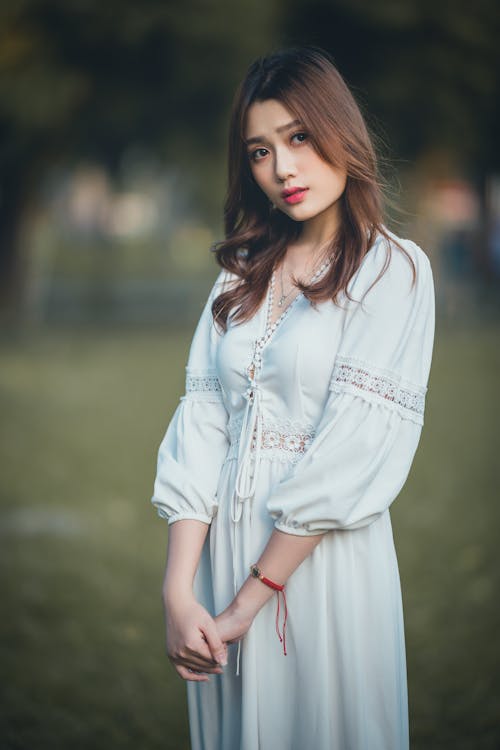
(113, 123)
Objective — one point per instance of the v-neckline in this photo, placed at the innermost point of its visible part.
(270, 328)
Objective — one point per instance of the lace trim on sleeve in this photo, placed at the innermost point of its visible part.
(202, 385)
(379, 386)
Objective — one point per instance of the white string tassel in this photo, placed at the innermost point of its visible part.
(252, 424)
(238, 659)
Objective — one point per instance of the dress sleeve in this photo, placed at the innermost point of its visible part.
(369, 431)
(195, 443)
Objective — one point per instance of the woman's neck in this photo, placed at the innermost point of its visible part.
(314, 238)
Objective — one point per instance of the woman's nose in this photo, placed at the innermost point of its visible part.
(284, 166)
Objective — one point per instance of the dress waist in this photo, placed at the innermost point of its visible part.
(281, 439)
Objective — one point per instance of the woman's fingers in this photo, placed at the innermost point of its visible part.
(217, 648)
(186, 670)
(201, 652)
(198, 664)
(187, 675)
(196, 656)
(192, 641)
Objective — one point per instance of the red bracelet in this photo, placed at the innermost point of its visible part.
(257, 573)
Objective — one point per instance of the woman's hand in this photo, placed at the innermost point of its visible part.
(233, 622)
(193, 644)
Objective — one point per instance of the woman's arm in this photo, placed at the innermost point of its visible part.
(190, 458)
(185, 542)
(283, 554)
(192, 638)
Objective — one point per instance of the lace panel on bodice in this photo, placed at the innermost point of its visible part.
(202, 385)
(282, 439)
(379, 386)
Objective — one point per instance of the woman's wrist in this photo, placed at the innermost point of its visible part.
(251, 598)
(175, 593)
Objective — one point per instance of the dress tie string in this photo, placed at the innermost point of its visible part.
(251, 430)
(246, 480)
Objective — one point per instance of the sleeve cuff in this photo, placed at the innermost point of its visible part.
(293, 527)
(185, 517)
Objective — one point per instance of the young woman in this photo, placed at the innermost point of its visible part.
(303, 409)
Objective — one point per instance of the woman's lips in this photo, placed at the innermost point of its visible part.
(296, 197)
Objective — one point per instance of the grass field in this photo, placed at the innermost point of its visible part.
(82, 550)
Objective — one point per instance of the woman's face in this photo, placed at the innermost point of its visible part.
(282, 158)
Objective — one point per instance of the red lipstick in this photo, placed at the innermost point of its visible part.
(294, 194)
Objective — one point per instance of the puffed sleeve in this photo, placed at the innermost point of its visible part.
(195, 443)
(369, 431)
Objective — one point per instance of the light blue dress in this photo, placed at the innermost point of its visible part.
(309, 426)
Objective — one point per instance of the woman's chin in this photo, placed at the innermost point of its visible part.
(299, 213)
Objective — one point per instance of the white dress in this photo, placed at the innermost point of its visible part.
(320, 440)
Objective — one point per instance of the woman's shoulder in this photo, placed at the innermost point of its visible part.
(397, 261)
(223, 282)
(399, 249)
(225, 278)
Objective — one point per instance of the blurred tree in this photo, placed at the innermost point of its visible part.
(86, 79)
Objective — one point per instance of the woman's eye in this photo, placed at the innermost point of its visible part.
(301, 136)
(260, 153)
(256, 155)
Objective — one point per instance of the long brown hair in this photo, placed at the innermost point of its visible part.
(306, 81)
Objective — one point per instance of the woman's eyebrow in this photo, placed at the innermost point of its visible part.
(258, 138)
